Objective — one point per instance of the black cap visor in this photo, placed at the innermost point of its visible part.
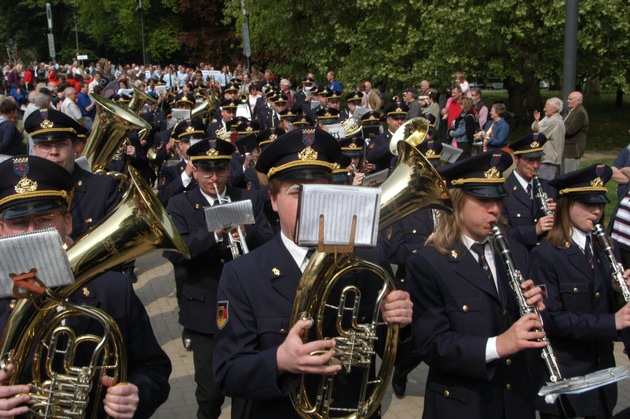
(31, 206)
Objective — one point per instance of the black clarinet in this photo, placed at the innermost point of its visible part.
(541, 195)
(615, 266)
(516, 279)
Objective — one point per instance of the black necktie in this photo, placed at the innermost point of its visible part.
(529, 190)
(588, 253)
(479, 248)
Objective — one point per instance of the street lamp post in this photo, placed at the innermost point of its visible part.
(140, 10)
(247, 50)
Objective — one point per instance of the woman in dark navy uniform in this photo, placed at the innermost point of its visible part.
(581, 319)
(466, 320)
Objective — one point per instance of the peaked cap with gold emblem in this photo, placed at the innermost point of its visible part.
(302, 154)
(479, 175)
(211, 153)
(30, 185)
(328, 115)
(397, 110)
(352, 146)
(432, 150)
(52, 125)
(587, 185)
(189, 129)
(530, 146)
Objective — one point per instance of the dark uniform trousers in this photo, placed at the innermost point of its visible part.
(148, 366)
(198, 293)
(579, 320)
(259, 290)
(456, 308)
(523, 213)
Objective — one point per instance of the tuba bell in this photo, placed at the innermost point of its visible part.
(413, 131)
(413, 185)
(112, 125)
(136, 227)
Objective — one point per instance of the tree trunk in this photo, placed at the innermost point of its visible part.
(524, 97)
(591, 87)
(619, 98)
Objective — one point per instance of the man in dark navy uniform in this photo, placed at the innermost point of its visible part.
(54, 135)
(42, 202)
(197, 279)
(176, 176)
(257, 354)
(527, 221)
(377, 154)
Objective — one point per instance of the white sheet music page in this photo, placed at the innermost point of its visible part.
(229, 214)
(42, 250)
(338, 204)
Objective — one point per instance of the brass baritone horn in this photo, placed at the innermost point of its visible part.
(112, 125)
(138, 100)
(413, 185)
(136, 227)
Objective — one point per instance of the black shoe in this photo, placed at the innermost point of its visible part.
(129, 273)
(400, 387)
(186, 341)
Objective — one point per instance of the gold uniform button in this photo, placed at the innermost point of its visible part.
(597, 294)
(222, 260)
(508, 362)
(283, 331)
(446, 393)
(508, 386)
(465, 308)
(414, 251)
(518, 215)
(414, 231)
(576, 290)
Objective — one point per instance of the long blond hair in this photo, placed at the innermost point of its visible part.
(447, 231)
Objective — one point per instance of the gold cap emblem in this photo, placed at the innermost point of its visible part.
(307, 154)
(276, 271)
(212, 152)
(535, 144)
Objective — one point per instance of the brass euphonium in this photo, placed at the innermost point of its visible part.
(136, 227)
(413, 185)
(112, 125)
(413, 132)
(206, 108)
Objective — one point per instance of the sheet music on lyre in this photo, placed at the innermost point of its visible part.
(229, 214)
(338, 204)
(42, 250)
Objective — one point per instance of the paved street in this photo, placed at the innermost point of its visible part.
(156, 288)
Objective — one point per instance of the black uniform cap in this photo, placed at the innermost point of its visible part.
(587, 185)
(479, 175)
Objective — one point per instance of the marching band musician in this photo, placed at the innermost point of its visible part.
(176, 176)
(405, 238)
(377, 155)
(54, 137)
(466, 320)
(353, 148)
(197, 279)
(527, 220)
(581, 319)
(257, 355)
(42, 204)
(228, 110)
(166, 143)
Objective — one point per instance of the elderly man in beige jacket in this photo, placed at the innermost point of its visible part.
(552, 126)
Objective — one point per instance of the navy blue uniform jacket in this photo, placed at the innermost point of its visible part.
(259, 290)
(579, 319)
(523, 213)
(198, 303)
(455, 310)
(95, 196)
(147, 365)
(377, 151)
(170, 182)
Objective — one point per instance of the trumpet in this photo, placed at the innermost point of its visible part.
(238, 246)
(615, 266)
(541, 195)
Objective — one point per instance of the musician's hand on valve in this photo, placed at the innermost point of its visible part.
(521, 335)
(551, 204)
(622, 317)
(369, 167)
(131, 151)
(398, 308)
(297, 357)
(121, 400)
(11, 397)
(533, 295)
(358, 179)
(544, 224)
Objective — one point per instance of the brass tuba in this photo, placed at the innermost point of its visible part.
(413, 185)
(112, 125)
(413, 132)
(136, 227)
